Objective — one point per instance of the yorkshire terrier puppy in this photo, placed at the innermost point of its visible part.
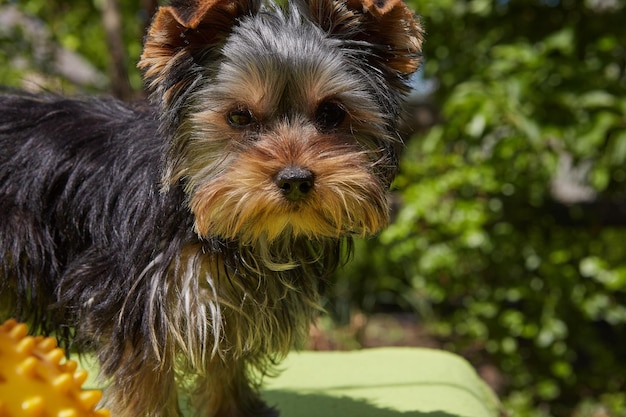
(186, 241)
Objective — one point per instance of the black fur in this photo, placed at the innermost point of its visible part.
(81, 176)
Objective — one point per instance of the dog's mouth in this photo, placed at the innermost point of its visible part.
(295, 202)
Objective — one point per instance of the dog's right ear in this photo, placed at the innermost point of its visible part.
(388, 29)
(181, 32)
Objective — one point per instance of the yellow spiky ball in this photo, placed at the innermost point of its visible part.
(37, 381)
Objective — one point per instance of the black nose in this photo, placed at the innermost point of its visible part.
(294, 182)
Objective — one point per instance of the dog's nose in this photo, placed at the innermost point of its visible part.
(294, 182)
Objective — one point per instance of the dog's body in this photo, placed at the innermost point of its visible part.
(187, 241)
(150, 298)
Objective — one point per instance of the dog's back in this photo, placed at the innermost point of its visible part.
(69, 170)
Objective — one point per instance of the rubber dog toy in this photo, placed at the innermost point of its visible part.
(37, 381)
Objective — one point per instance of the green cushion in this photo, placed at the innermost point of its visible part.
(384, 382)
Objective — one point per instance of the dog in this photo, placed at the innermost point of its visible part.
(185, 241)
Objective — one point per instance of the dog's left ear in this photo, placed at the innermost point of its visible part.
(183, 31)
(388, 27)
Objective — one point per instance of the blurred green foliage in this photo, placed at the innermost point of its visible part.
(29, 46)
(485, 247)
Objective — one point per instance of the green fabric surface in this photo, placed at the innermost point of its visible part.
(382, 382)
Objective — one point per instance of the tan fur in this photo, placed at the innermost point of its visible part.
(246, 204)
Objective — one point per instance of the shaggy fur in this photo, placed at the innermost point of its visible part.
(186, 241)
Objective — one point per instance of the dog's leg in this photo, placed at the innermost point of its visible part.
(226, 391)
(142, 387)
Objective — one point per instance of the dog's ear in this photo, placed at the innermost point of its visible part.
(184, 30)
(390, 29)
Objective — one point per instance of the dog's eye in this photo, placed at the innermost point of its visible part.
(240, 118)
(329, 115)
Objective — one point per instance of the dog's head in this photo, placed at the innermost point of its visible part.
(282, 119)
